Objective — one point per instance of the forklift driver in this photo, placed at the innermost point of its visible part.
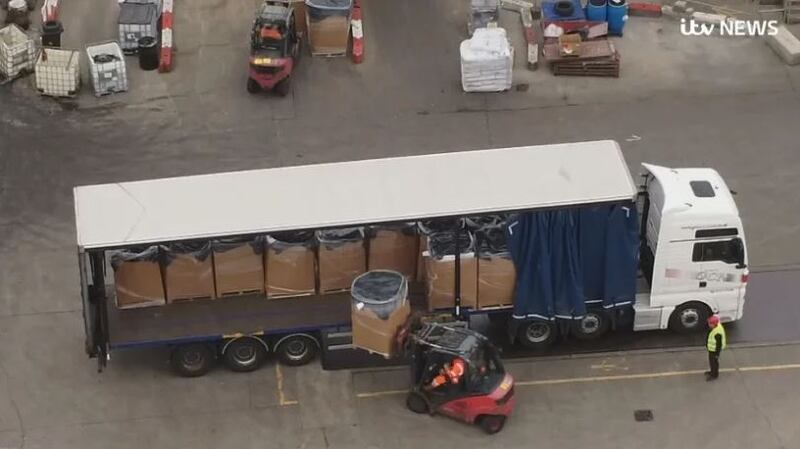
(270, 34)
(450, 373)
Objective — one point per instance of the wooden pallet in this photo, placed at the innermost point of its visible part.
(289, 295)
(334, 291)
(605, 68)
(189, 298)
(240, 292)
(495, 306)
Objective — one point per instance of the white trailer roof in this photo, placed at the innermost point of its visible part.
(350, 193)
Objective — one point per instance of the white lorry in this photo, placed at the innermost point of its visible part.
(693, 260)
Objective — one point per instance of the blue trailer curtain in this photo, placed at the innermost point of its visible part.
(568, 258)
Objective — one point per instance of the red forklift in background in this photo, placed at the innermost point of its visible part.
(274, 48)
(485, 393)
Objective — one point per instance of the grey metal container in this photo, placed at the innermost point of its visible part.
(137, 20)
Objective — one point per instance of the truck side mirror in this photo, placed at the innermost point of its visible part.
(738, 252)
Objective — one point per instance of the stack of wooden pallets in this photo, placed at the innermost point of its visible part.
(589, 58)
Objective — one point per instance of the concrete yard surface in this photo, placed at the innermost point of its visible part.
(561, 402)
(727, 103)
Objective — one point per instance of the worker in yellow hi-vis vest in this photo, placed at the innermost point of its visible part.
(715, 344)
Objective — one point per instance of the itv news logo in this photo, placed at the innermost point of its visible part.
(730, 27)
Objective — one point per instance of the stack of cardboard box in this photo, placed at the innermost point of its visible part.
(238, 266)
(440, 270)
(137, 277)
(394, 248)
(188, 271)
(341, 258)
(291, 265)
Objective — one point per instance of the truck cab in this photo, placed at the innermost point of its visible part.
(693, 256)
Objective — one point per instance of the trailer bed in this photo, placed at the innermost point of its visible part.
(209, 319)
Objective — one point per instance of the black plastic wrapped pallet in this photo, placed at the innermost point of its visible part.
(336, 237)
(482, 221)
(491, 241)
(279, 241)
(441, 244)
(258, 243)
(427, 227)
(134, 254)
(199, 250)
(407, 228)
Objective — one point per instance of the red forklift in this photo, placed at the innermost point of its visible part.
(274, 48)
(485, 393)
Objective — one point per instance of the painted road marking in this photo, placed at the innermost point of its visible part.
(570, 380)
(281, 396)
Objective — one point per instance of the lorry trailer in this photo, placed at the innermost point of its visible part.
(688, 259)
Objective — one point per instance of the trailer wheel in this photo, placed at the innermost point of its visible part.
(593, 325)
(284, 86)
(252, 86)
(296, 350)
(689, 318)
(537, 334)
(192, 360)
(244, 354)
(491, 424)
(416, 403)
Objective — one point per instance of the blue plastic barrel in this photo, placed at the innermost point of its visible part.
(617, 15)
(596, 10)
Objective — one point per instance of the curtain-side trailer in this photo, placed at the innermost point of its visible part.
(690, 250)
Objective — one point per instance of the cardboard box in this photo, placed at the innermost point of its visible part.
(340, 264)
(187, 276)
(376, 335)
(391, 249)
(290, 271)
(329, 36)
(238, 268)
(299, 7)
(138, 284)
(496, 281)
(441, 281)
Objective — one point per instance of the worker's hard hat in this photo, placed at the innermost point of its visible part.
(713, 320)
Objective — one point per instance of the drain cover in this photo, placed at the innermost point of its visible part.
(643, 415)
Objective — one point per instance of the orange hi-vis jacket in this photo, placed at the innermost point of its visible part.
(452, 375)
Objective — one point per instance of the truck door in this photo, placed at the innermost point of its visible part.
(718, 267)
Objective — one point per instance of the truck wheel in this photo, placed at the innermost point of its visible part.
(192, 360)
(593, 325)
(284, 86)
(252, 86)
(689, 318)
(244, 354)
(296, 350)
(491, 424)
(537, 334)
(416, 403)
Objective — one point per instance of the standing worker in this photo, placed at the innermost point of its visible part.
(715, 344)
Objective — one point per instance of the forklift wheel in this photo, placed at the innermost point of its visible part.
(252, 86)
(416, 403)
(284, 86)
(491, 424)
